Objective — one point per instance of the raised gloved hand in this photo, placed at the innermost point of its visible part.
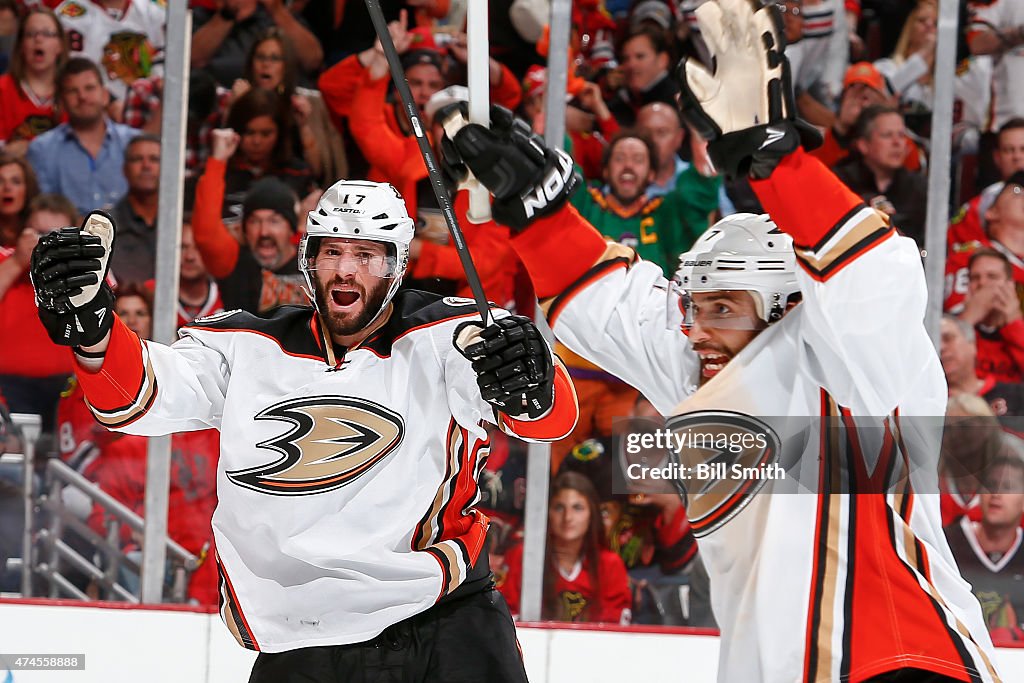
(745, 109)
(513, 364)
(526, 177)
(68, 270)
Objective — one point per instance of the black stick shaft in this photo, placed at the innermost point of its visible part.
(440, 191)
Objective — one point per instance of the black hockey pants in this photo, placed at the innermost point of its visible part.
(464, 640)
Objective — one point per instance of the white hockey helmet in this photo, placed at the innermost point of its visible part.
(742, 252)
(362, 210)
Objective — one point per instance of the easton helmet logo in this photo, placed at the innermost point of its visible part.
(333, 441)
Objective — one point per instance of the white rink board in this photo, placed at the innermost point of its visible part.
(176, 647)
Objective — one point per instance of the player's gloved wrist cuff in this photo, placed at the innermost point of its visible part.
(86, 325)
(755, 152)
(551, 191)
(531, 406)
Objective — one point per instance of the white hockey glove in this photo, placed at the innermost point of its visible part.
(514, 366)
(68, 270)
(745, 108)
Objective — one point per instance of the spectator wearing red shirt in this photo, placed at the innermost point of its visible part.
(33, 370)
(121, 472)
(992, 306)
(1002, 231)
(28, 90)
(583, 581)
(261, 118)
(971, 220)
(383, 132)
(18, 187)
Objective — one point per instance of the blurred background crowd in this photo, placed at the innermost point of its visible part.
(288, 96)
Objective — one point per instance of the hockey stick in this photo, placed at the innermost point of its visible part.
(443, 200)
(479, 65)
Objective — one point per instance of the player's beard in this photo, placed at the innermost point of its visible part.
(342, 326)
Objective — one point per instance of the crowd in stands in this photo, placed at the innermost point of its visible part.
(288, 96)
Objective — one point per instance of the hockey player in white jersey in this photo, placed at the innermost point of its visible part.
(351, 440)
(803, 343)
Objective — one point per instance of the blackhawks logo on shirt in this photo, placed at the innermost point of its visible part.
(72, 10)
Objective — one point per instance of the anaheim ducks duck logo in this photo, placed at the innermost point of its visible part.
(333, 442)
(726, 458)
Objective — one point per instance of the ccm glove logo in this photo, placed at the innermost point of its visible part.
(551, 189)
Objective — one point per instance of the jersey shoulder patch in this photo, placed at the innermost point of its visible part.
(289, 326)
(414, 309)
(212, 320)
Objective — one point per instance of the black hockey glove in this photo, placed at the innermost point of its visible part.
(528, 179)
(745, 109)
(68, 270)
(513, 364)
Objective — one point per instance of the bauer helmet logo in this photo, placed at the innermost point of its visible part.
(549, 190)
(333, 441)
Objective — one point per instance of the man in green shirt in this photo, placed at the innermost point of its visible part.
(658, 228)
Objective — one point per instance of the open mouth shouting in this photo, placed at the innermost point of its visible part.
(711, 363)
(344, 298)
(628, 179)
(266, 250)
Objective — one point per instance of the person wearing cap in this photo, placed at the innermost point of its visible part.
(863, 86)
(261, 273)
